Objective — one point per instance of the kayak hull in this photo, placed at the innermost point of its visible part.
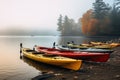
(52, 59)
(88, 56)
(87, 50)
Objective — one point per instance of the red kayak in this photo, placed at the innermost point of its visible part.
(88, 56)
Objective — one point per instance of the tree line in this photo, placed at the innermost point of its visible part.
(67, 26)
(101, 20)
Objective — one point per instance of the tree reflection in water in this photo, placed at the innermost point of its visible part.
(46, 70)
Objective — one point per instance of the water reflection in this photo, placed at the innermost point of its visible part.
(43, 67)
(80, 39)
(12, 68)
(51, 71)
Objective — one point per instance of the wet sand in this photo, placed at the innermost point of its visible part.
(109, 70)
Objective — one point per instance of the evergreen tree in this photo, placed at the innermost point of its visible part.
(101, 12)
(60, 23)
(100, 9)
(67, 26)
(115, 17)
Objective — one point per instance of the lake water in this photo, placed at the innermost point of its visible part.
(14, 68)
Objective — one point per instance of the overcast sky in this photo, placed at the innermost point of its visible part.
(40, 14)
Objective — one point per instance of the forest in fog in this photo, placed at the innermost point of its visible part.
(101, 20)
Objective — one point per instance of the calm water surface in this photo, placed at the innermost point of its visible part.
(14, 68)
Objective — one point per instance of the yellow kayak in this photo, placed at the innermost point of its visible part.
(115, 44)
(109, 45)
(52, 59)
(98, 46)
(105, 46)
(86, 46)
(77, 46)
(97, 43)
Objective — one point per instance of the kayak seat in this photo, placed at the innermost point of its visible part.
(37, 52)
(49, 55)
(34, 52)
(29, 50)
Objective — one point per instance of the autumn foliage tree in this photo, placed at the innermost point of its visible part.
(85, 21)
(101, 20)
(89, 23)
(96, 21)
